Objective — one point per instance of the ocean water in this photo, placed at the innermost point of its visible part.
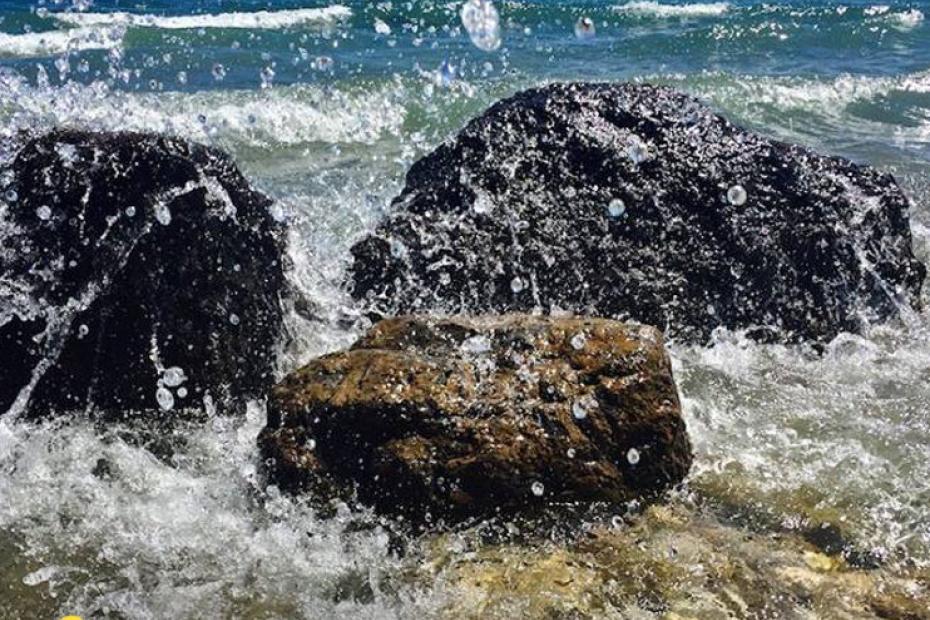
(325, 106)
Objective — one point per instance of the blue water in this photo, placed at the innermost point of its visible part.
(864, 62)
(785, 38)
(325, 111)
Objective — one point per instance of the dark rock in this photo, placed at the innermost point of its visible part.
(514, 214)
(130, 263)
(457, 418)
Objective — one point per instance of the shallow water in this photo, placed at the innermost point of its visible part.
(325, 110)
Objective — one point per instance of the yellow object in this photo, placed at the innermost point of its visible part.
(71, 618)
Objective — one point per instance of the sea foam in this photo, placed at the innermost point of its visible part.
(906, 20)
(650, 8)
(37, 44)
(257, 19)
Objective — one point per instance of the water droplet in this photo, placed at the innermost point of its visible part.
(632, 456)
(381, 27)
(182, 392)
(570, 453)
(11, 195)
(63, 66)
(482, 22)
(616, 208)
(737, 196)
(131, 211)
(517, 284)
(208, 405)
(482, 203)
(182, 77)
(322, 63)
(578, 341)
(584, 28)
(82, 331)
(162, 214)
(234, 318)
(174, 376)
(538, 488)
(310, 445)
(68, 153)
(616, 521)
(583, 406)
(476, 344)
(445, 75)
(219, 72)
(398, 249)
(164, 398)
(267, 77)
(43, 213)
(637, 150)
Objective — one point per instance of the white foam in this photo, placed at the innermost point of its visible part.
(747, 93)
(290, 115)
(650, 8)
(257, 19)
(906, 20)
(37, 44)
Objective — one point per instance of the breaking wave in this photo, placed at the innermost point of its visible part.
(650, 8)
(253, 20)
(38, 44)
(907, 19)
(283, 116)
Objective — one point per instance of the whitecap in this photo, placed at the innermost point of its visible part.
(38, 44)
(288, 115)
(650, 8)
(906, 20)
(256, 19)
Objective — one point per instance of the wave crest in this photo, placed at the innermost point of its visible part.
(38, 44)
(651, 8)
(286, 116)
(257, 19)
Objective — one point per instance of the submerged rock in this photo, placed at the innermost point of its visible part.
(137, 272)
(471, 417)
(671, 562)
(635, 201)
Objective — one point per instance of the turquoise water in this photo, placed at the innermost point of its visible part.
(325, 106)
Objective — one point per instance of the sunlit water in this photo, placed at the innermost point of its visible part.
(324, 108)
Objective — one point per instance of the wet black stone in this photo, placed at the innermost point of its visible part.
(821, 246)
(105, 298)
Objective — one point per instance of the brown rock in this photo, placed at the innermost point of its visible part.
(460, 417)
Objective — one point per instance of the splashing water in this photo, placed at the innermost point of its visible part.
(482, 22)
(737, 196)
(616, 208)
(584, 28)
(179, 524)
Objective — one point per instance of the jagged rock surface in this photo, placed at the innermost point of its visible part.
(136, 270)
(635, 201)
(471, 417)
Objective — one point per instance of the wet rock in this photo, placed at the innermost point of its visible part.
(138, 272)
(672, 562)
(635, 201)
(470, 417)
